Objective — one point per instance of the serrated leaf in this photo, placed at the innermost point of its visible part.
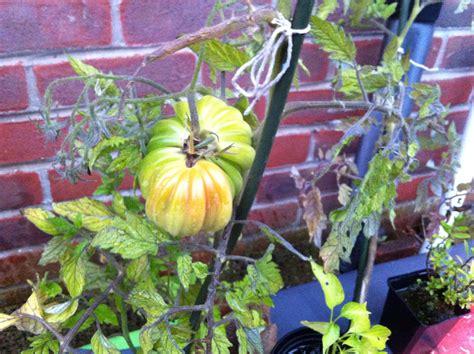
(131, 238)
(359, 10)
(243, 343)
(95, 215)
(332, 288)
(320, 327)
(330, 336)
(40, 218)
(53, 250)
(149, 300)
(265, 273)
(333, 40)
(358, 315)
(184, 267)
(201, 270)
(222, 56)
(138, 268)
(42, 344)
(220, 344)
(106, 315)
(106, 146)
(73, 273)
(61, 312)
(254, 338)
(101, 345)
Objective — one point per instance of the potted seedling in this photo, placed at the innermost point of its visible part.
(422, 306)
(330, 336)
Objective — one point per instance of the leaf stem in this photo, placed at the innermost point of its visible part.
(124, 322)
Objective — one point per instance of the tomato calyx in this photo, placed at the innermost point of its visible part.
(198, 148)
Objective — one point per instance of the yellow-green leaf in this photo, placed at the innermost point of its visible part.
(7, 321)
(95, 215)
(61, 312)
(320, 327)
(101, 345)
(332, 288)
(39, 217)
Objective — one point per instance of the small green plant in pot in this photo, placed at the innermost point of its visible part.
(359, 337)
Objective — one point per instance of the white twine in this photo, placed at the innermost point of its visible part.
(419, 65)
(264, 61)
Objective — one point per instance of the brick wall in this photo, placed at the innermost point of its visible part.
(114, 35)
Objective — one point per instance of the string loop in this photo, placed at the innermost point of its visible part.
(261, 65)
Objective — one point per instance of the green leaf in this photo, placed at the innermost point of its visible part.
(390, 52)
(42, 344)
(326, 8)
(320, 327)
(54, 249)
(138, 268)
(330, 336)
(101, 345)
(330, 252)
(106, 315)
(332, 288)
(201, 270)
(40, 218)
(243, 343)
(220, 343)
(50, 289)
(267, 275)
(61, 312)
(377, 336)
(184, 267)
(94, 214)
(358, 315)
(73, 273)
(254, 338)
(149, 300)
(359, 10)
(106, 146)
(333, 40)
(131, 238)
(118, 204)
(222, 56)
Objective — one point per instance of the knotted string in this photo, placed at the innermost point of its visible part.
(262, 64)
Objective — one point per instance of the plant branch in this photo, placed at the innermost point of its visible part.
(292, 107)
(73, 331)
(213, 32)
(48, 327)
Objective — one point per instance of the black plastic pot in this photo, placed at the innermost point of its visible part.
(300, 341)
(406, 328)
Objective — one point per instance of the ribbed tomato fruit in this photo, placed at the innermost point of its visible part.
(189, 182)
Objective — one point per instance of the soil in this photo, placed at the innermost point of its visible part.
(429, 309)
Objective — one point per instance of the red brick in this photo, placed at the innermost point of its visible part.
(13, 91)
(174, 73)
(396, 249)
(407, 191)
(45, 24)
(459, 52)
(154, 21)
(326, 139)
(368, 51)
(18, 232)
(275, 216)
(456, 90)
(62, 189)
(16, 267)
(434, 51)
(289, 150)
(280, 185)
(448, 17)
(316, 61)
(313, 116)
(24, 142)
(19, 190)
